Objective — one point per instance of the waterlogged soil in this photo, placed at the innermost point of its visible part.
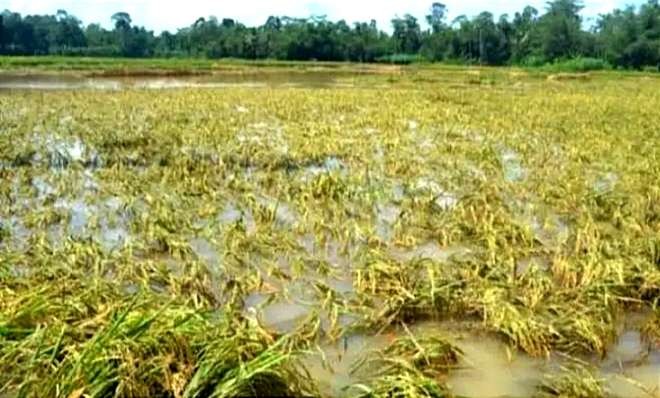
(317, 213)
(488, 367)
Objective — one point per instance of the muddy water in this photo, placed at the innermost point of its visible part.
(632, 368)
(283, 317)
(333, 363)
(428, 251)
(386, 217)
(205, 251)
(489, 368)
(22, 81)
(492, 370)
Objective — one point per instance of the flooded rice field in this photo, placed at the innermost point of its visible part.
(54, 81)
(278, 236)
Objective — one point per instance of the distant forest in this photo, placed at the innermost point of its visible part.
(628, 38)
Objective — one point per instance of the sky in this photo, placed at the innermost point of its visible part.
(159, 15)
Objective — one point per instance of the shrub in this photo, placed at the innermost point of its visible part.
(401, 59)
(533, 61)
(578, 65)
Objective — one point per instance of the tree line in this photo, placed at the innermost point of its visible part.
(627, 38)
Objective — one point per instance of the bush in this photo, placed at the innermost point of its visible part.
(533, 61)
(578, 65)
(401, 59)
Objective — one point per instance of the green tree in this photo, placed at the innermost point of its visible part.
(407, 34)
(626, 38)
(122, 21)
(68, 33)
(630, 37)
(522, 35)
(436, 42)
(132, 41)
(366, 43)
(436, 19)
(3, 34)
(560, 30)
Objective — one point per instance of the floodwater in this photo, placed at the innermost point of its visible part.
(205, 251)
(333, 364)
(513, 168)
(488, 367)
(285, 216)
(632, 367)
(491, 370)
(386, 217)
(84, 214)
(284, 316)
(428, 251)
(44, 81)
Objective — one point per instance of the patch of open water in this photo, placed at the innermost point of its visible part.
(36, 81)
(512, 166)
(488, 367)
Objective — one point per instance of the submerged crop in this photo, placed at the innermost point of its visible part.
(383, 239)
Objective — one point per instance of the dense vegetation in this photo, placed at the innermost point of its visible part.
(627, 38)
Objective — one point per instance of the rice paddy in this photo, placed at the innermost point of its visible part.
(468, 233)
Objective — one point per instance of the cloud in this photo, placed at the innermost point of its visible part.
(169, 15)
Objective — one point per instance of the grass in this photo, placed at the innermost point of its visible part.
(198, 242)
(415, 68)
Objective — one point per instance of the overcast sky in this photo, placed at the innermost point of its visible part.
(161, 15)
